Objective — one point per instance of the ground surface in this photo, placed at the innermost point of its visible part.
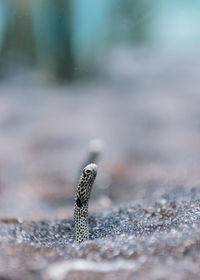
(159, 240)
(145, 205)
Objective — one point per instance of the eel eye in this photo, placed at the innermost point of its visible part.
(87, 171)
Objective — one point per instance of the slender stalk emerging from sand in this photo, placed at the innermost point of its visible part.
(82, 197)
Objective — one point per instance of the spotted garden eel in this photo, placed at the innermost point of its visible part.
(82, 197)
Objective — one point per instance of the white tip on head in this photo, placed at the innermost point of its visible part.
(92, 167)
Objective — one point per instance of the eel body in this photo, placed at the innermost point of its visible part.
(82, 197)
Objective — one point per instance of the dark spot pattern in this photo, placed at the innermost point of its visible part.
(79, 203)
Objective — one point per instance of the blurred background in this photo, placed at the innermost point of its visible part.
(115, 81)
